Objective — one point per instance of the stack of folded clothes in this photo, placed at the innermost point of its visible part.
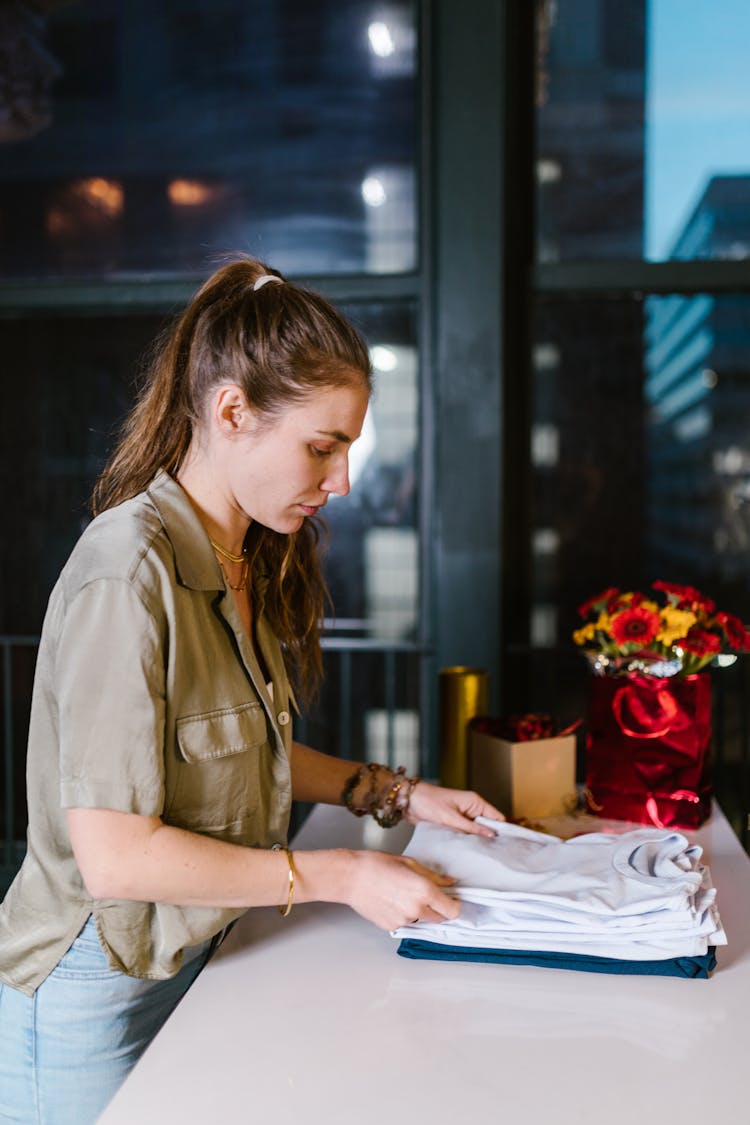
(635, 902)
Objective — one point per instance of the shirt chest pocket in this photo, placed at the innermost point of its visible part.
(222, 771)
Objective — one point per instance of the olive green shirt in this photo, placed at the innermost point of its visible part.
(149, 699)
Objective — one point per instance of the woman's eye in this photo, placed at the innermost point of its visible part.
(318, 452)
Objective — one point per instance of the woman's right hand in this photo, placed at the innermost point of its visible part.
(393, 891)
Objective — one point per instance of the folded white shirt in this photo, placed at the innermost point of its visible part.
(639, 895)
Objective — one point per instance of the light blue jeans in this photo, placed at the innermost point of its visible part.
(65, 1050)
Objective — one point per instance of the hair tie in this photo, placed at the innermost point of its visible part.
(265, 277)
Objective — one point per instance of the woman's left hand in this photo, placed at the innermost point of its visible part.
(451, 808)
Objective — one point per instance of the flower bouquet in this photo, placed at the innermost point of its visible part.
(649, 720)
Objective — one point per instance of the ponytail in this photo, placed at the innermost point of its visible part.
(278, 343)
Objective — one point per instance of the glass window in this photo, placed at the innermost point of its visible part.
(155, 138)
(373, 565)
(641, 398)
(69, 382)
(73, 381)
(588, 456)
(143, 143)
(73, 378)
(643, 143)
(640, 471)
(640, 456)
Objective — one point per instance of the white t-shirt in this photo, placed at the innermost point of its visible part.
(639, 895)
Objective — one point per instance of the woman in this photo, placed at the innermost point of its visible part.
(161, 766)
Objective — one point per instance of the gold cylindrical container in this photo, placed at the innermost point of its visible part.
(463, 693)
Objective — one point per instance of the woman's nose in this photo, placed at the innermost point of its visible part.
(337, 478)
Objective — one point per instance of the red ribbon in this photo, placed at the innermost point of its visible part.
(648, 748)
(651, 723)
(647, 707)
(652, 807)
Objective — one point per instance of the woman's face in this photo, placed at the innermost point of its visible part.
(280, 470)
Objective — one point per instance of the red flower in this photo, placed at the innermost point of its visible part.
(635, 625)
(605, 596)
(735, 632)
(527, 728)
(686, 597)
(701, 642)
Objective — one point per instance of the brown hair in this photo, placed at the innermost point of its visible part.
(278, 343)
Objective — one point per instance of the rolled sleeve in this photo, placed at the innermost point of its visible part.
(111, 699)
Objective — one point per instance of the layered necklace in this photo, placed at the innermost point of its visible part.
(236, 559)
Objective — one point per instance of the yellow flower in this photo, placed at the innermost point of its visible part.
(603, 623)
(588, 632)
(676, 625)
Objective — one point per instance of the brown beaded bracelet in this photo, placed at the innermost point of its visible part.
(397, 800)
(353, 784)
(388, 811)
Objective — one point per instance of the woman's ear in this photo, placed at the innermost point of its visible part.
(231, 410)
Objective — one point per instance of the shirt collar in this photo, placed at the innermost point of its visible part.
(196, 564)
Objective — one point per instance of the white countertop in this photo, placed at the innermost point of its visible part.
(315, 1018)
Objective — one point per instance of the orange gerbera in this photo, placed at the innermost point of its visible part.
(635, 626)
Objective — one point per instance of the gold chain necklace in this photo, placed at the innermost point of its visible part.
(243, 576)
(228, 554)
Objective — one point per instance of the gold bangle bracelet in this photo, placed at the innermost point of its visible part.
(284, 910)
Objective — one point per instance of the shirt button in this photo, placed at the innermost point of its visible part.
(282, 718)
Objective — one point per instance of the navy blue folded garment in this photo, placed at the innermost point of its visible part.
(700, 966)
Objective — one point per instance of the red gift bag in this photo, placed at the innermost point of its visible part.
(648, 749)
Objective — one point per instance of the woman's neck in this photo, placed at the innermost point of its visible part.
(224, 525)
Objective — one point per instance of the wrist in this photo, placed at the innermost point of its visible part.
(419, 795)
(325, 875)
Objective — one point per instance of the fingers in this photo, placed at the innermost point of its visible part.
(434, 905)
(472, 805)
(452, 808)
(446, 910)
(473, 828)
(492, 813)
(435, 876)
(394, 891)
(439, 909)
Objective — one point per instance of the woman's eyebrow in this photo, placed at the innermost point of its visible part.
(337, 434)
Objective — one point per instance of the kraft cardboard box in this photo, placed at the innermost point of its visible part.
(529, 779)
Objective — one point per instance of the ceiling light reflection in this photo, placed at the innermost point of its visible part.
(373, 191)
(381, 40)
(190, 193)
(106, 195)
(383, 359)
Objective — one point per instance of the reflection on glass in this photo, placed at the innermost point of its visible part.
(640, 470)
(698, 390)
(642, 109)
(641, 462)
(172, 134)
(75, 378)
(73, 381)
(590, 130)
(373, 564)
